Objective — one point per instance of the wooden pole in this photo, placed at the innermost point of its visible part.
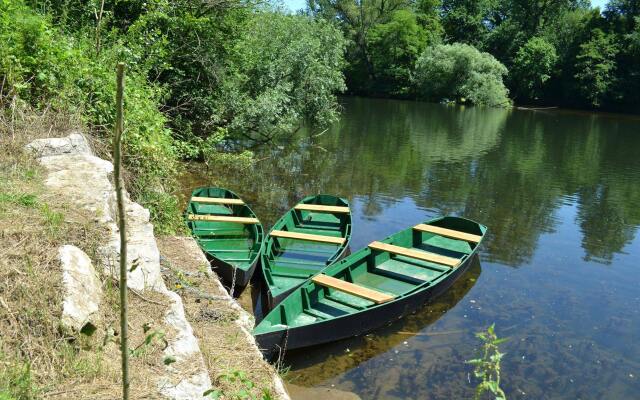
(117, 161)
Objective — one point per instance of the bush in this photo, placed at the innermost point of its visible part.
(44, 67)
(532, 67)
(283, 69)
(459, 72)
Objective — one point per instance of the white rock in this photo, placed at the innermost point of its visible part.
(86, 181)
(82, 286)
(75, 143)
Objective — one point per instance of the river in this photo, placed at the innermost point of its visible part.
(558, 273)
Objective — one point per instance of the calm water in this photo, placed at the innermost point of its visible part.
(558, 273)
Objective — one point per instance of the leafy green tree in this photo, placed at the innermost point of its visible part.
(467, 21)
(357, 19)
(240, 73)
(428, 14)
(395, 47)
(532, 68)
(595, 66)
(459, 72)
(283, 69)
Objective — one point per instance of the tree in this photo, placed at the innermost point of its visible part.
(595, 66)
(459, 72)
(357, 18)
(467, 21)
(395, 47)
(283, 69)
(532, 67)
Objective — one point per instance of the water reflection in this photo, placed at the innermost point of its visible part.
(559, 192)
(513, 170)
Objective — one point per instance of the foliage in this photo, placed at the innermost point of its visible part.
(595, 66)
(384, 39)
(532, 67)
(42, 66)
(465, 20)
(487, 367)
(195, 70)
(551, 48)
(395, 47)
(253, 74)
(460, 72)
(243, 385)
(285, 68)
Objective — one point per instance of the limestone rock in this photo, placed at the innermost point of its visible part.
(86, 181)
(82, 286)
(75, 143)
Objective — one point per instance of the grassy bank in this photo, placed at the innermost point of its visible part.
(38, 356)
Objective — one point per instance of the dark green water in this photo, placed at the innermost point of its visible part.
(558, 273)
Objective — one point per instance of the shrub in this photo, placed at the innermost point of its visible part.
(459, 72)
(46, 68)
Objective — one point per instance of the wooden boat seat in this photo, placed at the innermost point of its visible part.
(450, 233)
(351, 288)
(321, 208)
(222, 218)
(412, 253)
(216, 200)
(307, 236)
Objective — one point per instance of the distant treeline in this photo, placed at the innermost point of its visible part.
(551, 52)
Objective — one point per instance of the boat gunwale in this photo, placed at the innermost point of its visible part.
(365, 252)
(248, 266)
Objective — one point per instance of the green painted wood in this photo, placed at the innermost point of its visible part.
(233, 244)
(281, 254)
(378, 270)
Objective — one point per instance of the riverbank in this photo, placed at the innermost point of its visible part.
(222, 327)
(59, 314)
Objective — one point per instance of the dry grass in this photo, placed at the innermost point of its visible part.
(233, 365)
(38, 358)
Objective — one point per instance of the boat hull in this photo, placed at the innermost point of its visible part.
(271, 300)
(220, 203)
(273, 343)
(226, 271)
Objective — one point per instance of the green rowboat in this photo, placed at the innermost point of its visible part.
(228, 232)
(374, 286)
(310, 236)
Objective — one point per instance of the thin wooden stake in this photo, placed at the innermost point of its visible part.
(117, 160)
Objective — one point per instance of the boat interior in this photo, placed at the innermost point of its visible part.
(305, 241)
(225, 226)
(403, 263)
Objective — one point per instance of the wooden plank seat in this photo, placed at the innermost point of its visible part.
(412, 253)
(450, 233)
(351, 288)
(216, 200)
(307, 236)
(222, 218)
(321, 208)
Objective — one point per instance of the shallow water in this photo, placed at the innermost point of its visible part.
(557, 273)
